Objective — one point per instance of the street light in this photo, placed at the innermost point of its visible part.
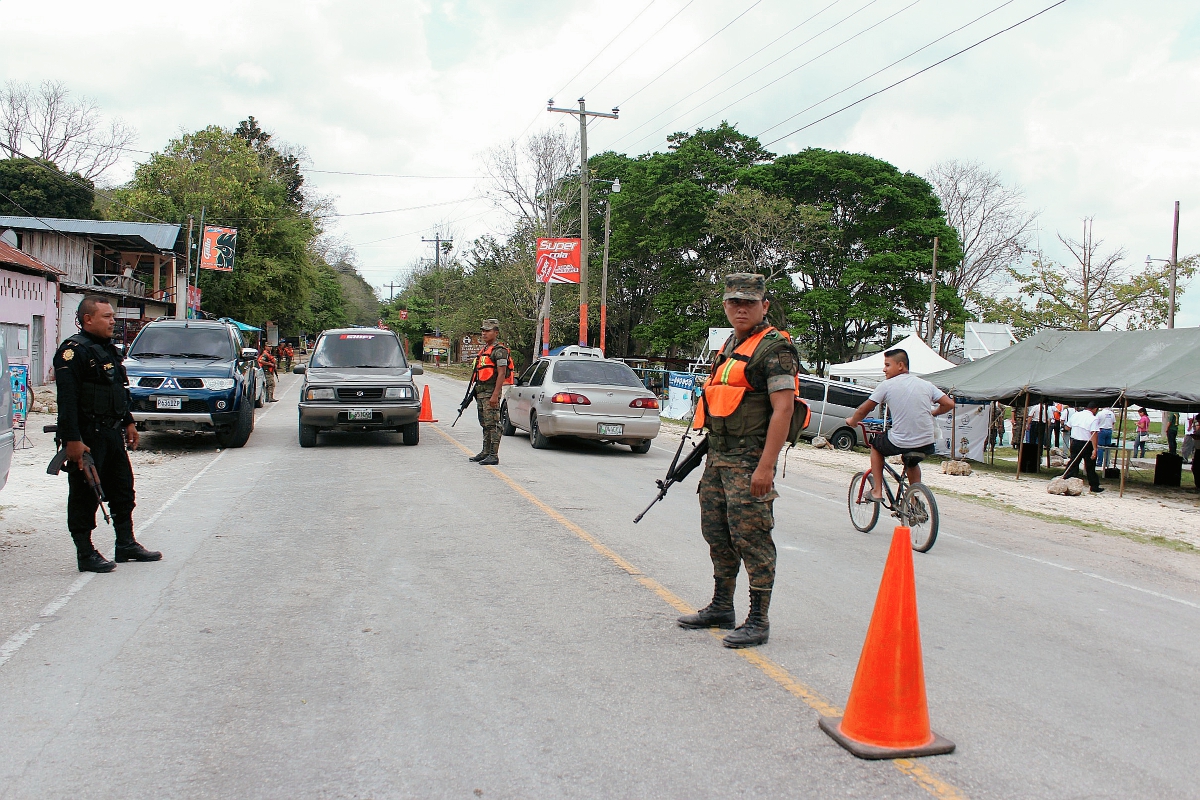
(616, 189)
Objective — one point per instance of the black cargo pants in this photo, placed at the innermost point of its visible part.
(116, 476)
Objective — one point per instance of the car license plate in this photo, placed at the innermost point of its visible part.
(169, 403)
(611, 430)
(360, 414)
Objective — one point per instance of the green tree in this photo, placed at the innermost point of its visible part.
(39, 188)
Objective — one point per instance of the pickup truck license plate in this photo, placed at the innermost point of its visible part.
(611, 430)
(169, 403)
(360, 414)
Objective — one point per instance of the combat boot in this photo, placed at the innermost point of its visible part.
(127, 547)
(755, 630)
(490, 460)
(86, 556)
(479, 456)
(718, 613)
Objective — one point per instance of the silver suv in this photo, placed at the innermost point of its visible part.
(358, 379)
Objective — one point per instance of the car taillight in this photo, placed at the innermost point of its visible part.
(570, 398)
(644, 402)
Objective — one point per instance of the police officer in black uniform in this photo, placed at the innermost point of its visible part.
(93, 416)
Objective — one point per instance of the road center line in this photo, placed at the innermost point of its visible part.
(921, 775)
(15, 642)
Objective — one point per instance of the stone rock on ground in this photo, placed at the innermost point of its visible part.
(956, 468)
(821, 441)
(1072, 487)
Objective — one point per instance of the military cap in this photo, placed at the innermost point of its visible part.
(490, 325)
(745, 286)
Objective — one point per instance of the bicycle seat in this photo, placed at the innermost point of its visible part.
(912, 459)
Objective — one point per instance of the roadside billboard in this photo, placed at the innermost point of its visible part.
(470, 346)
(436, 346)
(558, 260)
(217, 247)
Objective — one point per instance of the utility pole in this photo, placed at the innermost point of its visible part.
(1174, 265)
(616, 189)
(181, 298)
(929, 329)
(391, 287)
(437, 241)
(584, 179)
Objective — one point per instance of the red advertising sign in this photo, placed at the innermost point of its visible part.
(558, 260)
(403, 313)
(217, 247)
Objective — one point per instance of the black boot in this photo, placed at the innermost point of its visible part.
(755, 630)
(85, 554)
(490, 460)
(127, 547)
(718, 613)
(478, 456)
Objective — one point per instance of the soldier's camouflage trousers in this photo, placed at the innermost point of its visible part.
(489, 419)
(737, 525)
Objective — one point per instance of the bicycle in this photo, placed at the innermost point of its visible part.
(912, 504)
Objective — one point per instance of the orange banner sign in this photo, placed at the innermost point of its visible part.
(217, 246)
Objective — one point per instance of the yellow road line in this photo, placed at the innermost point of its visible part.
(924, 777)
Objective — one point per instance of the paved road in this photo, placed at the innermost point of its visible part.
(370, 620)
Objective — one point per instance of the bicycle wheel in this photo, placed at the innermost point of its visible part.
(864, 515)
(919, 512)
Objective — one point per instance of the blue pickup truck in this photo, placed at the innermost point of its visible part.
(193, 375)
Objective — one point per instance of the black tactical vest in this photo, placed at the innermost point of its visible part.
(102, 392)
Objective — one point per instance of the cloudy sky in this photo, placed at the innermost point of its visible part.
(1085, 107)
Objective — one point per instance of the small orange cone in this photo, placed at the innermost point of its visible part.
(426, 407)
(886, 715)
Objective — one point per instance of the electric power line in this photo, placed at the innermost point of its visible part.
(637, 49)
(918, 72)
(602, 49)
(889, 66)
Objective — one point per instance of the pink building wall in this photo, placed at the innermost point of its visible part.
(22, 297)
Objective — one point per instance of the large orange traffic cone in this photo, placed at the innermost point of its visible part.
(426, 407)
(886, 715)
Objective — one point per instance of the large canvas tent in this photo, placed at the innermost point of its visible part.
(1158, 369)
(921, 361)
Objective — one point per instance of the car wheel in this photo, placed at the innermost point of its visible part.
(411, 433)
(536, 438)
(240, 433)
(842, 439)
(641, 447)
(308, 435)
(506, 426)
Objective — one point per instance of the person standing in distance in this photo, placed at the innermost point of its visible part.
(93, 417)
(912, 403)
(746, 405)
(269, 367)
(493, 371)
(1085, 435)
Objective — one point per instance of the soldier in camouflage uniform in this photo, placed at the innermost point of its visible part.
(493, 371)
(747, 409)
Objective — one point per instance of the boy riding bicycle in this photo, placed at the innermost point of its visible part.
(912, 403)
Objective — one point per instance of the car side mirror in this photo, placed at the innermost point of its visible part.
(299, 369)
(249, 354)
(417, 369)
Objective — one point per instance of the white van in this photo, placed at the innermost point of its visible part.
(831, 402)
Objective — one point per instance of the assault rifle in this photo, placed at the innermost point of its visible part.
(466, 401)
(87, 464)
(678, 469)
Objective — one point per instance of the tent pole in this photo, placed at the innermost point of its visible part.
(1124, 455)
(1021, 446)
(954, 433)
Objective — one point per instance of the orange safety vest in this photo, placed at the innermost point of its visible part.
(728, 384)
(485, 367)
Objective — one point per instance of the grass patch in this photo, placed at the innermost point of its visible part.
(460, 372)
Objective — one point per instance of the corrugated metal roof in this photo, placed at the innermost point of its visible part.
(10, 255)
(155, 234)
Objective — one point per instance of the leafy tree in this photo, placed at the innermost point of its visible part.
(40, 189)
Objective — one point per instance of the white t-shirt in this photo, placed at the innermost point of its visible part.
(1107, 419)
(910, 402)
(1083, 424)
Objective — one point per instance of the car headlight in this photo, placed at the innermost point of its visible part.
(319, 394)
(218, 383)
(397, 393)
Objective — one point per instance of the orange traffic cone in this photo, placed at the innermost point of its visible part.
(886, 715)
(426, 407)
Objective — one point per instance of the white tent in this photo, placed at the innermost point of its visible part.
(922, 360)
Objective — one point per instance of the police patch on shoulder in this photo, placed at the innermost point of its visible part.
(771, 335)
(68, 353)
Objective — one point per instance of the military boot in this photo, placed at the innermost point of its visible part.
(127, 547)
(86, 556)
(480, 456)
(490, 460)
(718, 613)
(755, 630)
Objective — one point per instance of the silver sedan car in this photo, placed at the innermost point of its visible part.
(581, 394)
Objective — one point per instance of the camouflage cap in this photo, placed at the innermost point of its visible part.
(490, 325)
(745, 286)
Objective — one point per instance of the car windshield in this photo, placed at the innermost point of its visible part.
(595, 373)
(176, 341)
(358, 350)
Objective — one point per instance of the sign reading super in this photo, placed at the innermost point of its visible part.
(558, 260)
